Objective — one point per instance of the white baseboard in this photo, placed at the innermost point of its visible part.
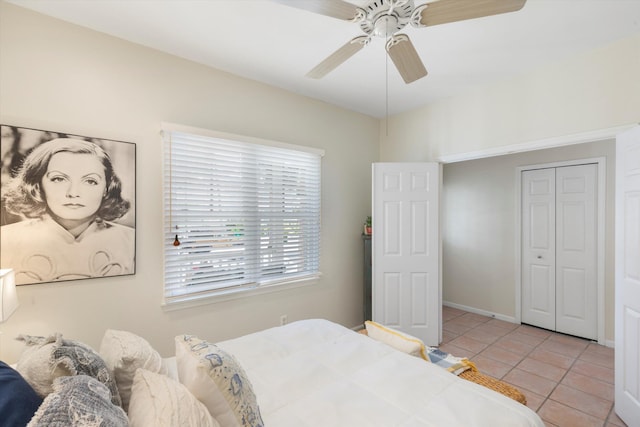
(481, 312)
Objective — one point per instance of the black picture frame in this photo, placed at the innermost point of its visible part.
(68, 205)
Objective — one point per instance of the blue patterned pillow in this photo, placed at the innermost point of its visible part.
(79, 401)
(18, 400)
(216, 378)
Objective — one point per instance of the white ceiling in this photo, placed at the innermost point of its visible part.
(278, 44)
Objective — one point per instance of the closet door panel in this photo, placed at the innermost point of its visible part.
(576, 231)
(538, 248)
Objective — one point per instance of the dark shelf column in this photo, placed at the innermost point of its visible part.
(367, 277)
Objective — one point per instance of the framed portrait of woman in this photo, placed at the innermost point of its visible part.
(68, 205)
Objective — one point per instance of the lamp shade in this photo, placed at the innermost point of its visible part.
(8, 294)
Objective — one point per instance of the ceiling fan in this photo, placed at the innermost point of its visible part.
(385, 18)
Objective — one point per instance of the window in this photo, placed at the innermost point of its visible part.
(246, 213)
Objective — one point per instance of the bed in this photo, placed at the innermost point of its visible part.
(306, 373)
(319, 373)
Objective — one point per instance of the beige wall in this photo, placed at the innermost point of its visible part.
(595, 90)
(62, 77)
(479, 227)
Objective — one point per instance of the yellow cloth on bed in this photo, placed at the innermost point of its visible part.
(415, 347)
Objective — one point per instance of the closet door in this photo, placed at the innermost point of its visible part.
(559, 257)
(576, 289)
(538, 248)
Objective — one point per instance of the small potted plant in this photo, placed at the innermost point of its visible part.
(367, 226)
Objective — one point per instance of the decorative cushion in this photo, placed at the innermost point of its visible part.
(79, 401)
(396, 339)
(34, 363)
(18, 400)
(159, 401)
(52, 357)
(216, 378)
(125, 352)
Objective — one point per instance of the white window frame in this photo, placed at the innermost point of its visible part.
(175, 293)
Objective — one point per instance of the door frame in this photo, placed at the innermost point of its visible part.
(600, 238)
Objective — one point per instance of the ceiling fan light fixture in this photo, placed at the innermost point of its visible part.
(385, 26)
(386, 17)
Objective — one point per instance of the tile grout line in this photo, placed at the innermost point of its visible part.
(606, 419)
(557, 383)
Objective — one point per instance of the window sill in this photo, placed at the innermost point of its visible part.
(190, 301)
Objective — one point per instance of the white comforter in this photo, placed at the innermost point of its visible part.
(318, 373)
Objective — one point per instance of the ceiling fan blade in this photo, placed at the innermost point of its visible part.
(334, 8)
(445, 11)
(338, 57)
(405, 58)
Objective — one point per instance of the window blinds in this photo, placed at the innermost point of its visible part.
(246, 215)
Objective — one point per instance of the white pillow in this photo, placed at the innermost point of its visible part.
(172, 367)
(159, 401)
(216, 379)
(125, 352)
(396, 339)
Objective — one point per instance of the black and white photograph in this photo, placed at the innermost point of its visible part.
(68, 206)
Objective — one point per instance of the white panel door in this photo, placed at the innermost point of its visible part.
(538, 248)
(406, 284)
(627, 282)
(559, 256)
(576, 257)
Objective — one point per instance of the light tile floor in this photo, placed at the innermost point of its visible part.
(568, 381)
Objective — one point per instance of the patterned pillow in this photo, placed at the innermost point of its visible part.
(34, 363)
(79, 401)
(125, 352)
(216, 378)
(159, 401)
(47, 358)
